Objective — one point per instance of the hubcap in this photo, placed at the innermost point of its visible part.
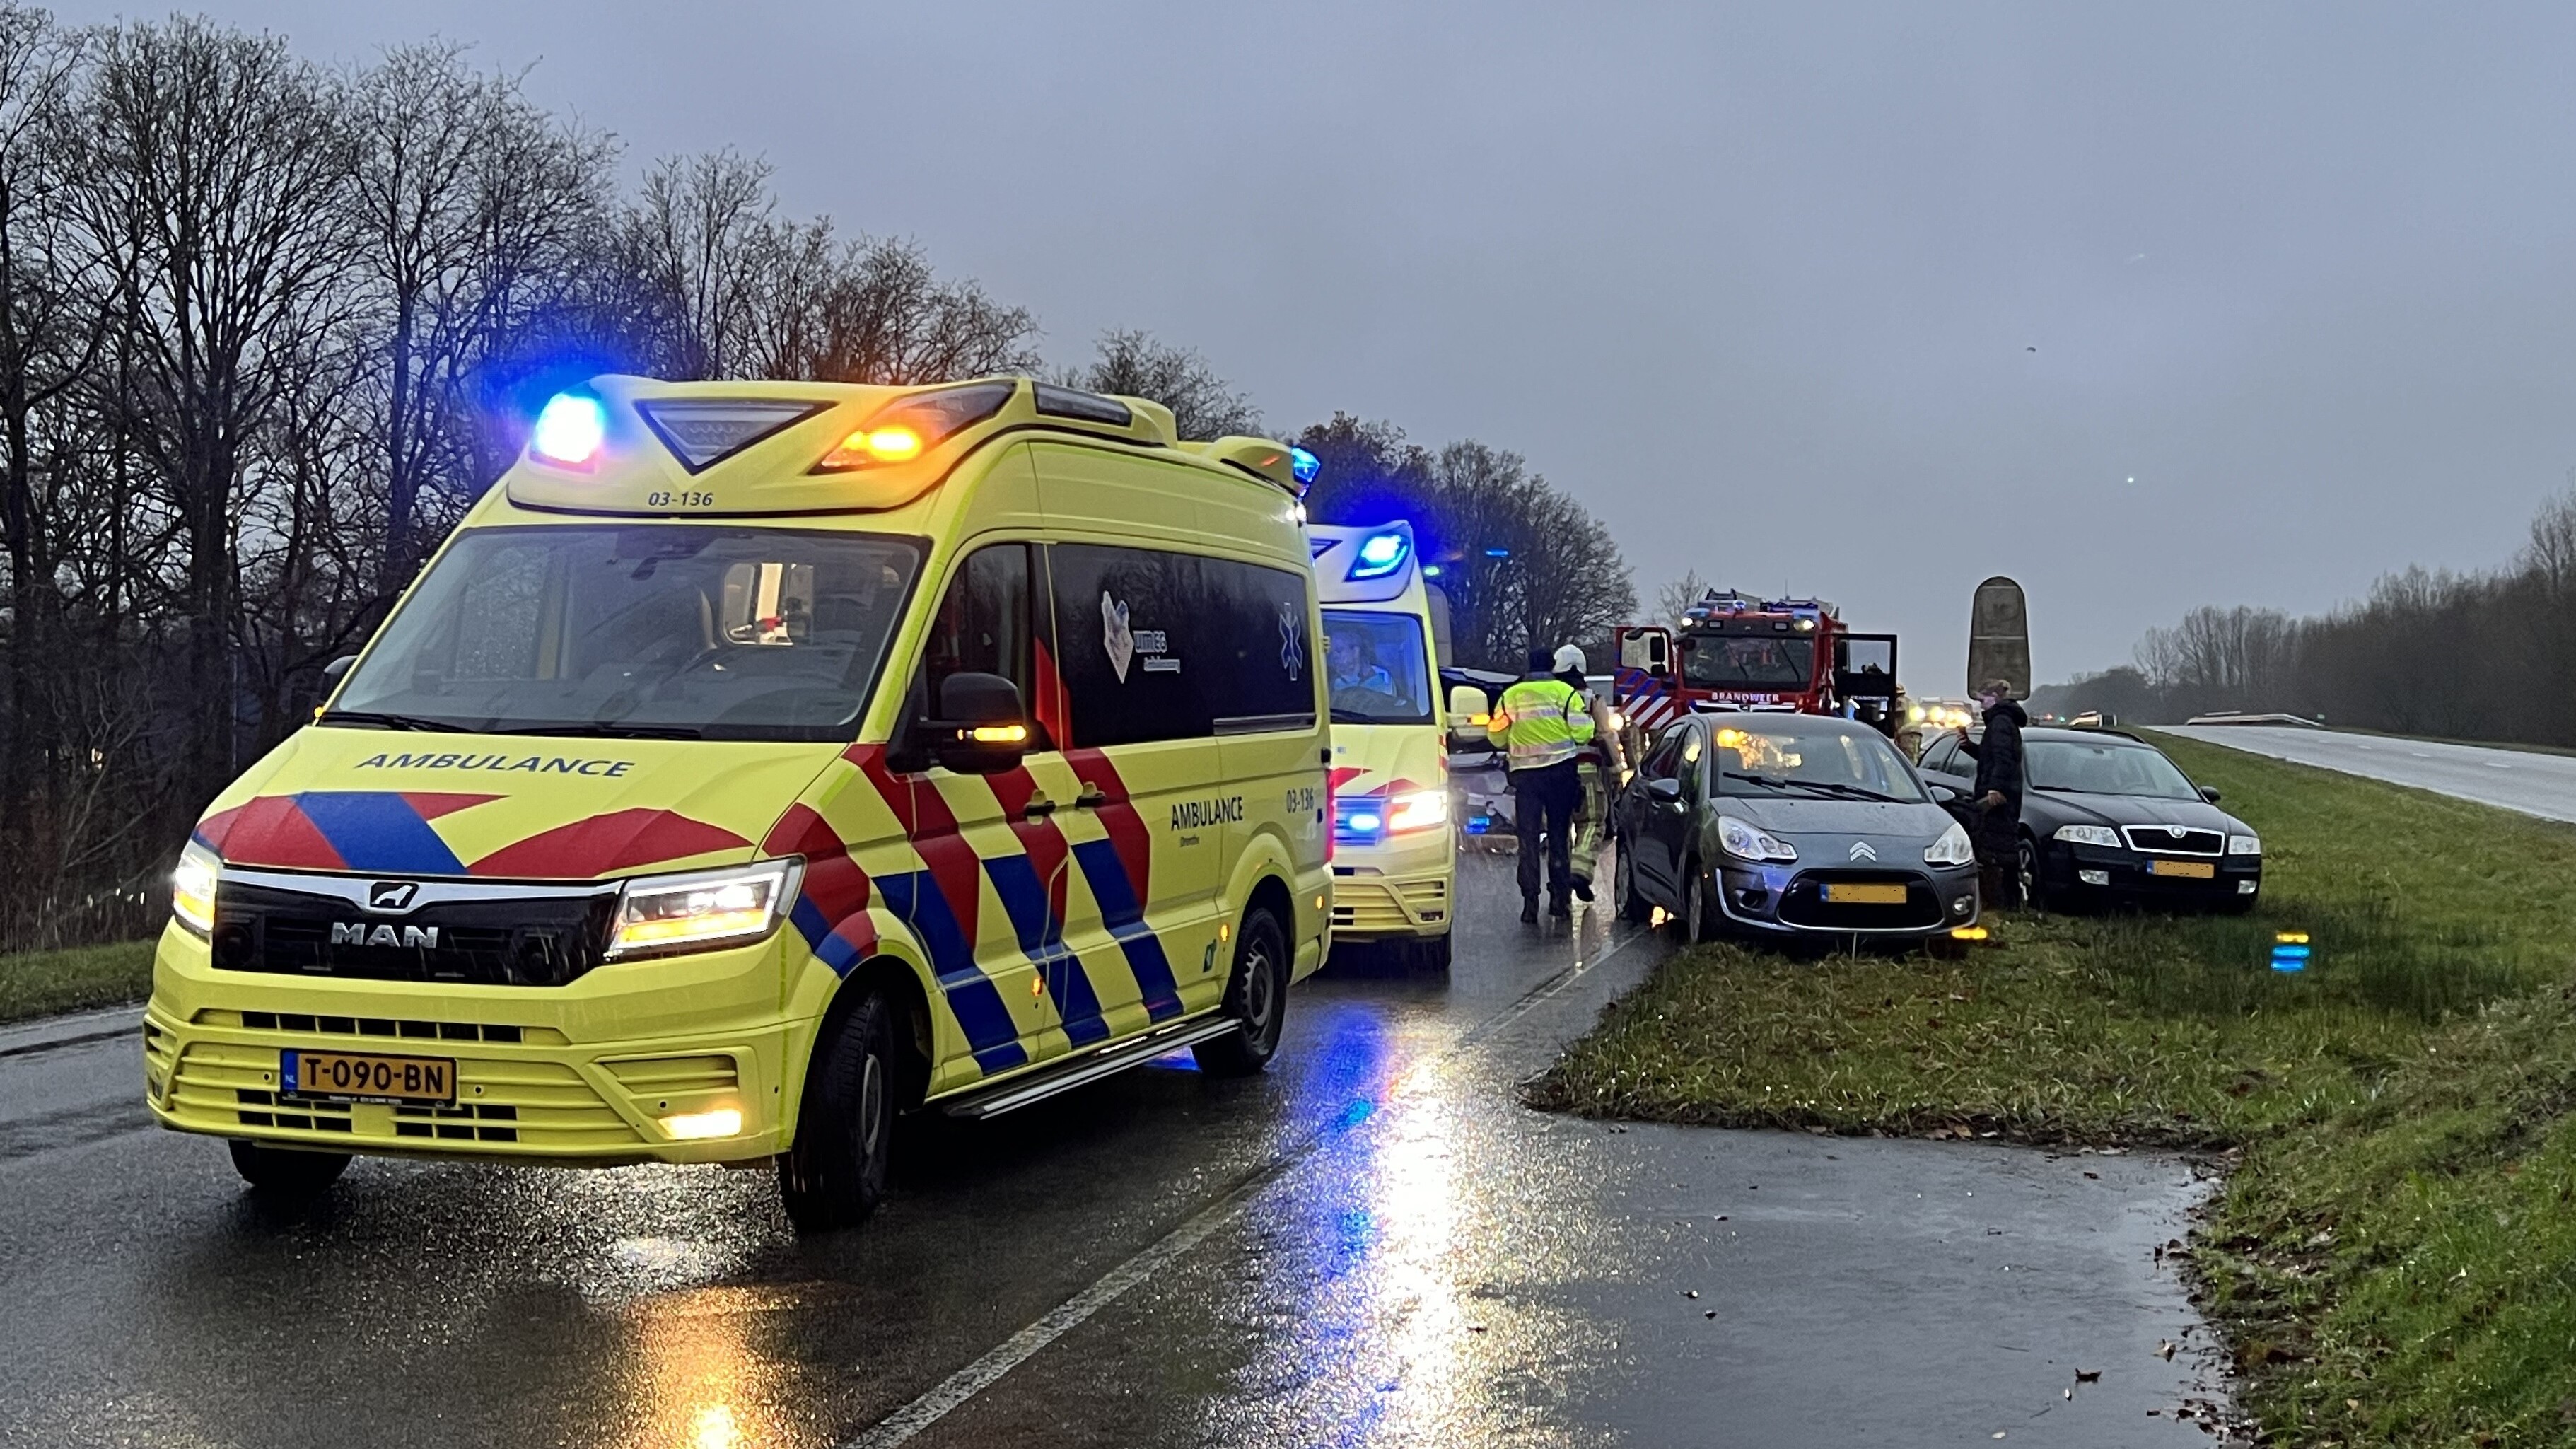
(1257, 987)
(871, 1104)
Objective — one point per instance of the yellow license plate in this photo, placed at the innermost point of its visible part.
(1847, 893)
(2187, 869)
(365, 1077)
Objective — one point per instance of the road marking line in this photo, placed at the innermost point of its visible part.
(1020, 1347)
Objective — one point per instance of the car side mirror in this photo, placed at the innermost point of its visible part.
(1468, 712)
(1942, 794)
(1666, 791)
(2209, 794)
(982, 728)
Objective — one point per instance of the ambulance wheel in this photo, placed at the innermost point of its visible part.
(281, 1173)
(1256, 996)
(1624, 896)
(1429, 955)
(835, 1174)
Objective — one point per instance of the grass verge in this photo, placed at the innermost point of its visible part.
(41, 983)
(2394, 1255)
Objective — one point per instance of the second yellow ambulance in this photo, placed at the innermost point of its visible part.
(1395, 862)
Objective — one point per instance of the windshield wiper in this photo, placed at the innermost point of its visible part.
(1774, 782)
(1852, 791)
(374, 720)
(609, 729)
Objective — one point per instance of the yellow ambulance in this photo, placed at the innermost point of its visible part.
(1395, 859)
(759, 761)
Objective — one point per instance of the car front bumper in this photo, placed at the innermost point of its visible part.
(2101, 871)
(1787, 900)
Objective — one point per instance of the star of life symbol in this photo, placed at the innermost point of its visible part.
(1860, 851)
(1292, 642)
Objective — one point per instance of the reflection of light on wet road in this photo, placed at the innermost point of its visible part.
(702, 1383)
(714, 1429)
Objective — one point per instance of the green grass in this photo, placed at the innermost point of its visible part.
(2394, 1253)
(40, 983)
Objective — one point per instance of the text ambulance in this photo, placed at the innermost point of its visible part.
(1395, 863)
(759, 761)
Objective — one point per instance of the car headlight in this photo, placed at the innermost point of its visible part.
(1421, 810)
(1741, 839)
(703, 909)
(2089, 835)
(192, 888)
(2245, 845)
(1953, 848)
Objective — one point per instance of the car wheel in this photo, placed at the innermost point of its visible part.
(1697, 919)
(1256, 996)
(835, 1173)
(284, 1174)
(1624, 896)
(2033, 876)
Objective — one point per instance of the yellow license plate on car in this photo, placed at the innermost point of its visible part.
(2187, 869)
(366, 1077)
(1847, 893)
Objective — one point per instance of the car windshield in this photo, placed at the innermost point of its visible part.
(721, 633)
(1748, 661)
(1379, 671)
(2108, 768)
(1807, 755)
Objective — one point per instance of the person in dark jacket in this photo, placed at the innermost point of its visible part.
(1996, 809)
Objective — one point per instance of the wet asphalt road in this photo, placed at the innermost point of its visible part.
(1372, 1244)
(2536, 784)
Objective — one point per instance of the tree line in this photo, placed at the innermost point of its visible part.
(268, 329)
(2482, 656)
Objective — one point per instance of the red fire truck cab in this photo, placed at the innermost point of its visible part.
(1732, 651)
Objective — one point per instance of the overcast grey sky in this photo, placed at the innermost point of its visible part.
(1758, 284)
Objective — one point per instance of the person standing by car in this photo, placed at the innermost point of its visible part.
(1995, 808)
(1598, 769)
(1544, 724)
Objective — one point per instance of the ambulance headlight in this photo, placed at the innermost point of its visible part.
(703, 909)
(570, 431)
(192, 889)
(1421, 810)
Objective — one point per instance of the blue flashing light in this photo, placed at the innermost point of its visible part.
(1479, 824)
(1303, 466)
(2289, 958)
(1498, 553)
(1380, 554)
(570, 431)
(1431, 571)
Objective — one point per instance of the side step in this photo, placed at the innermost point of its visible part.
(1020, 1092)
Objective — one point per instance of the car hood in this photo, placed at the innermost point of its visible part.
(1897, 823)
(2138, 810)
(426, 804)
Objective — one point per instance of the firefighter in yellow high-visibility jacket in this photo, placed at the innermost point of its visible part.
(1544, 724)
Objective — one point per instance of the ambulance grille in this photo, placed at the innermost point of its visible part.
(536, 940)
(1364, 907)
(540, 1107)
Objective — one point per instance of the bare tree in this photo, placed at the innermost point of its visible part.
(1680, 594)
(1134, 364)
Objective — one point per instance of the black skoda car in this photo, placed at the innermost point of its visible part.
(2106, 816)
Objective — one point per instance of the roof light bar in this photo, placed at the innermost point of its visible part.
(911, 426)
(1380, 554)
(570, 431)
(1303, 466)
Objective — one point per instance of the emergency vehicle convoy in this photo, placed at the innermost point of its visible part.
(1732, 651)
(1395, 864)
(760, 760)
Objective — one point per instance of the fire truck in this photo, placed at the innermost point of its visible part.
(1733, 651)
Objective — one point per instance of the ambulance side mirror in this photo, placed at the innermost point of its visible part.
(982, 728)
(1468, 711)
(332, 671)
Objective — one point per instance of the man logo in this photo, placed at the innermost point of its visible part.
(1861, 851)
(392, 895)
(359, 933)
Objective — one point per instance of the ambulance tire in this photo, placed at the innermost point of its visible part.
(1429, 955)
(835, 1174)
(279, 1173)
(1256, 995)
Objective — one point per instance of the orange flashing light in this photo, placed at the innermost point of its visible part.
(891, 444)
(1968, 933)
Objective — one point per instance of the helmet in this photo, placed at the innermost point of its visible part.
(1569, 660)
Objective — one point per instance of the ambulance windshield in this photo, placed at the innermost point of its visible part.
(1379, 671)
(666, 631)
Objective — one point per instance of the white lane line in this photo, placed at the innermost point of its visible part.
(2419, 754)
(2498, 765)
(1069, 1315)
